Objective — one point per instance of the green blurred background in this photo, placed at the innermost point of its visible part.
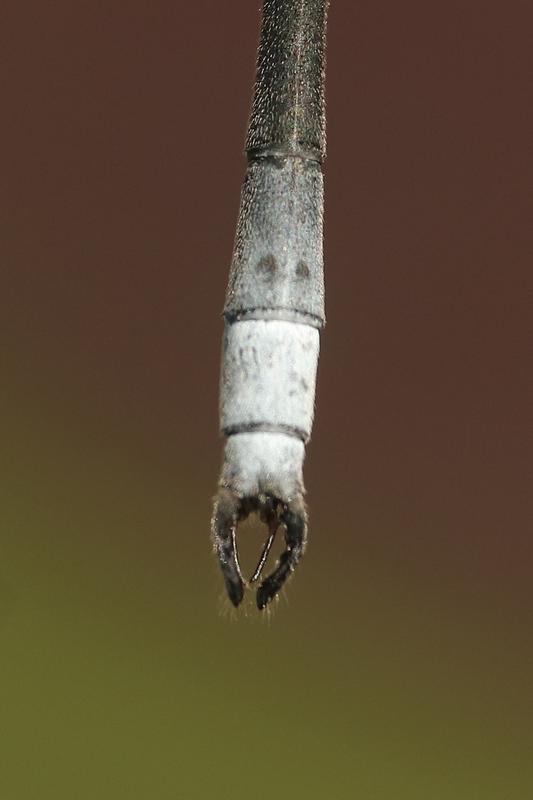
(399, 663)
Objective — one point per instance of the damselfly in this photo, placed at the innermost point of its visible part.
(275, 299)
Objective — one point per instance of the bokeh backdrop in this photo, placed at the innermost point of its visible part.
(399, 662)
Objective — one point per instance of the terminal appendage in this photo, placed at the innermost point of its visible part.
(230, 509)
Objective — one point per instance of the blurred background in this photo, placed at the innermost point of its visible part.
(399, 662)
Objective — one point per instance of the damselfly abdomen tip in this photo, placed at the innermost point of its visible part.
(275, 300)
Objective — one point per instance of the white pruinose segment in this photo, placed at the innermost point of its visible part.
(264, 463)
(268, 377)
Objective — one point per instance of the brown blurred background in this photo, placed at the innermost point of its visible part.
(401, 665)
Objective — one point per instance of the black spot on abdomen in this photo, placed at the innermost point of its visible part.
(302, 270)
(267, 266)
